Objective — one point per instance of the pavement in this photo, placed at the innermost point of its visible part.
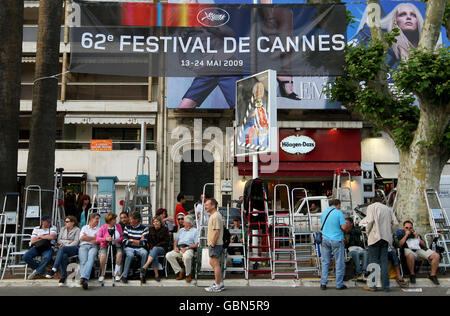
(232, 283)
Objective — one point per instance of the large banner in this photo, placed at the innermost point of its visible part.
(307, 92)
(198, 40)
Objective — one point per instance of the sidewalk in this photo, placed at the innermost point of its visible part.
(306, 282)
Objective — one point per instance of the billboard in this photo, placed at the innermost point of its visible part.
(256, 114)
(183, 40)
(307, 92)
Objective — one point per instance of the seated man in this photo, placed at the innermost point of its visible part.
(42, 244)
(135, 243)
(414, 248)
(236, 235)
(183, 247)
(124, 220)
(313, 208)
(355, 247)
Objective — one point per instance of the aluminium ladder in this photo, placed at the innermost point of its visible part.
(142, 191)
(259, 251)
(239, 246)
(9, 221)
(283, 248)
(307, 252)
(440, 225)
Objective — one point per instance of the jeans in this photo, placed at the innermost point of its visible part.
(378, 253)
(360, 259)
(32, 253)
(62, 257)
(130, 254)
(155, 253)
(86, 255)
(337, 249)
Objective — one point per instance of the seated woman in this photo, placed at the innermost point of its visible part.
(68, 241)
(104, 237)
(158, 241)
(169, 222)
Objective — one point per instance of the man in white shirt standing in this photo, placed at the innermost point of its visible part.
(380, 221)
(40, 248)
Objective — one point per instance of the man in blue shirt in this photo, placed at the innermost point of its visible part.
(333, 228)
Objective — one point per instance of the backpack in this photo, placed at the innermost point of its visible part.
(226, 237)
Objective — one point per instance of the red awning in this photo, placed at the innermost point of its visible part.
(296, 169)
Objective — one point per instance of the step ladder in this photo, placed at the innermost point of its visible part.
(307, 251)
(203, 268)
(20, 243)
(9, 221)
(283, 247)
(58, 211)
(142, 191)
(440, 225)
(237, 246)
(344, 193)
(259, 253)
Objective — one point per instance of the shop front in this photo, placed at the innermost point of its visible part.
(307, 158)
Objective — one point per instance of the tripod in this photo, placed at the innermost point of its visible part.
(110, 252)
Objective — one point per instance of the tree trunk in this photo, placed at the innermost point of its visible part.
(11, 29)
(41, 156)
(421, 167)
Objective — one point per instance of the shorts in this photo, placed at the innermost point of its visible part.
(102, 251)
(424, 254)
(215, 252)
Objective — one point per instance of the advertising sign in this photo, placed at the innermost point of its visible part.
(101, 145)
(185, 40)
(256, 114)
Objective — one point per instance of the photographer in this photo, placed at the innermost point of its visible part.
(414, 247)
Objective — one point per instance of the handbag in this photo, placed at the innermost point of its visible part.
(42, 245)
(318, 235)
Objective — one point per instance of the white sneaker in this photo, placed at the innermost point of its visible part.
(33, 275)
(101, 279)
(117, 278)
(215, 288)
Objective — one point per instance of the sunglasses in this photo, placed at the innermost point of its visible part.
(67, 221)
(181, 219)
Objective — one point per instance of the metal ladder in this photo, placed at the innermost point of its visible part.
(440, 225)
(284, 249)
(9, 217)
(58, 211)
(338, 190)
(307, 252)
(142, 192)
(202, 250)
(19, 243)
(258, 240)
(238, 245)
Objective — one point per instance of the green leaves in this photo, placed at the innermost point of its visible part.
(426, 74)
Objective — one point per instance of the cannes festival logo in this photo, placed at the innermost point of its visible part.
(213, 17)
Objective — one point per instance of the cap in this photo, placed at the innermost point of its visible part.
(46, 218)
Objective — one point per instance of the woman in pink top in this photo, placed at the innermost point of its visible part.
(104, 237)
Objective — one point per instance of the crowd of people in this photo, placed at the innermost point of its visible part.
(129, 239)
(383, 240)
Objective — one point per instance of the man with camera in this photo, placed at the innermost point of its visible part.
(414, 247)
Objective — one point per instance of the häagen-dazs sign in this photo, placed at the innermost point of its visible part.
(298, 144)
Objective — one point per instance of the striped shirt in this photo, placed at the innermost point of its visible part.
(39, 231)
(139, 232)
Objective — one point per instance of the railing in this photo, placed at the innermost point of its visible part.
(86, 145)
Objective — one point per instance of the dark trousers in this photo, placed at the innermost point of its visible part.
(378, 253)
